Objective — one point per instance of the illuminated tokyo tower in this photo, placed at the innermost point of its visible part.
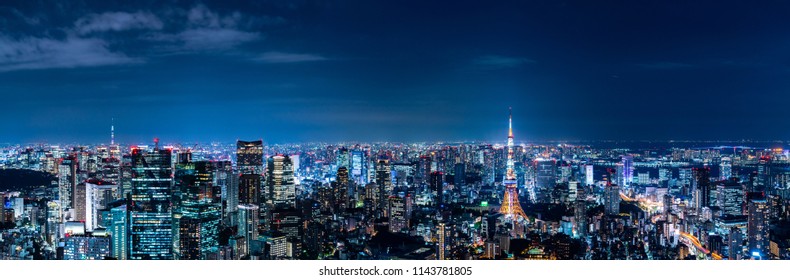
(510, 205)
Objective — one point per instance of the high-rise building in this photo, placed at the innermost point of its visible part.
(371, 200)
(397, 214)
(757, 228)
(197, 211)
(359, 167)
(437, 188)
(459, 175)
(546, 173)
(573, 191)
(735, 244)
(78, 200)
(341, 187)
(588, 175)
(119, 232)
(627, 174)
(441, 250)
(125, 177)
(248, 192)
(685, 175)
(384, 182)
(280, 182)
(151, 216)
(98, 194)
(580, 216)
(643, 177)
(67, 181)
(612, 199)
(198, 230)
(248, 225)
(725, 168)
(342, 158)
(230, 195)
(729, 197)
(700, 184)
(94, 246)
(249, 156)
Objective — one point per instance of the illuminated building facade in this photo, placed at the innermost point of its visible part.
(151, 216)
(118, 230)
(86, 247)
(359, 167)
(198, 212)
(384, 182)
(280, 182)
(397, 214)
(67, 181)
(249, 156)
(758, 226)
(247, 225)
(612, 199)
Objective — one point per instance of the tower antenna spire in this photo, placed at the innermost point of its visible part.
(511, 207)
(510, 123)
(112, 131)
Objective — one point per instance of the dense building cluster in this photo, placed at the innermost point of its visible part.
(248, 200)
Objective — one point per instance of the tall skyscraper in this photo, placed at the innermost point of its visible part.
(151, 216)
(67, 181)
(588, 175)
(441, 250)
(359, 167)
(580, 215)
(78, 200)
(701, 186)
(729, 197)
(98, 194)
(725, 168)
(437, 188)
(341, 188)
(249, 189)
(371, 200)
(342, 158)
(249, 156)
(511, 207)
(546, 173)
(459, 175)
(612, 199)
(384, 182)
(757, 227)
(628, 171)
(197, 213)
(119, 232)
(280, 182)
(198, 230)
(397, 214)
(248, 225)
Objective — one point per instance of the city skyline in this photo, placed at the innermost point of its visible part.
(409, 71)
(387, 202)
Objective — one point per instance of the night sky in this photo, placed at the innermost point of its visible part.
(295, 71)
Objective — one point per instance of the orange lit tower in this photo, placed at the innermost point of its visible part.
(510, 205)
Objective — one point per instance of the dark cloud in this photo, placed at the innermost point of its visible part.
(281, 57)
(44, 53)
(117, 21)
